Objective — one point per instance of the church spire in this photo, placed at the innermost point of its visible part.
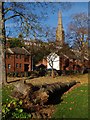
(60, 18)
(60, 31)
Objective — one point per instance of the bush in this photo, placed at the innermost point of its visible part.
(49, 72)
(15, 74)
(22, 74)
(59, 72)
(70, 72)
(10, 74)
(14, 110)
(35, 73)
(42, 72)
(26, 74)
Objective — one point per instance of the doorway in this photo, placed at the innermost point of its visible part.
(26, 67)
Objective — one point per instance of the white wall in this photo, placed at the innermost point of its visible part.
(56, 64)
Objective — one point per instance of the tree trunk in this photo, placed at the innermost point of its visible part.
(82, 49)
(47, 93)
(3, 43)
(52, 74)
(51, 93)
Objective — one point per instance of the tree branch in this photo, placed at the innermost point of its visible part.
(11, 17)
(8, 9)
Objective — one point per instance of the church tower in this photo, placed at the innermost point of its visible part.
(59, 31)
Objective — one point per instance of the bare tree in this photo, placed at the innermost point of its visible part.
(51, 59)
(18, 12)
(78, 33)
(26, 17)
(2, 40)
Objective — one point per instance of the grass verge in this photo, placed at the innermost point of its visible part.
(74, 105)
(6, 92)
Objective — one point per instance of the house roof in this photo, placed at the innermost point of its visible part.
(17, 50)
(68, 53)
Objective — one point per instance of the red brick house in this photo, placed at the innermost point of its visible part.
(66, 60)
(18, 60)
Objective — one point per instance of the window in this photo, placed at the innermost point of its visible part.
(16, 65)
(20, 65)
(9, 66)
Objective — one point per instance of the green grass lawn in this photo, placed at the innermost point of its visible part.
(74, 104)
(6, 92)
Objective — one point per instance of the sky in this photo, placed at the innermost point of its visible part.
(45, 0)
(77, 7)
(52, 20)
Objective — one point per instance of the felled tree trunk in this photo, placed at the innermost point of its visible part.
(47, 93)
(35, 98)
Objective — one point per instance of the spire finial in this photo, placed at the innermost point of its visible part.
(59, 18)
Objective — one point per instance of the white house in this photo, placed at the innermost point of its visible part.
(53, 60)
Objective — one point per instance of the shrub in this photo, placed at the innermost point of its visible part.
(59, 72)
(15, 74)
(42, 72)
(34, 73)
(14, 110)
(22, 74)
(69, 72)
(10, 74)
(49, 72)
(25, 74)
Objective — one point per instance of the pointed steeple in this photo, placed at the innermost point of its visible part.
(59, 18)
(60, 31)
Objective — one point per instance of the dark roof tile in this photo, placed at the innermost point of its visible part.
(18, 50)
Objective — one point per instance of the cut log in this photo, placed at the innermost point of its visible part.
(41, 94)
(50, 92)
(22, 87)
